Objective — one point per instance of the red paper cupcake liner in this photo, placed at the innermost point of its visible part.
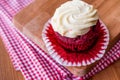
(71, 58)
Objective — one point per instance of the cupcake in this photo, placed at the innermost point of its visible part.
(75, 36)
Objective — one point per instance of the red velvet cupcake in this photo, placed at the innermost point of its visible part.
(75, 37)
(81, 59)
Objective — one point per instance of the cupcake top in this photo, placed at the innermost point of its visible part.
(74, 18)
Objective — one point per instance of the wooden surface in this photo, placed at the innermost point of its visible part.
(7, 71)
(31, 20)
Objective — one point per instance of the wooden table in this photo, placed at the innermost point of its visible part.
(109, 11)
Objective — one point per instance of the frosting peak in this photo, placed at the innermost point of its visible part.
(74, 18)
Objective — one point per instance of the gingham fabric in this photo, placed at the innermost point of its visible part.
(32, 61)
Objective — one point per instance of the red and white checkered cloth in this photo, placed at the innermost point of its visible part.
(32, 61)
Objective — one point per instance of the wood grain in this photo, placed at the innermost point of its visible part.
(37, 13)
(7, 71)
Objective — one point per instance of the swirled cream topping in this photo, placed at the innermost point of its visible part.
(74, 18)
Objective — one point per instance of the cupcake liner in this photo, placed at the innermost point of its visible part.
(81, 58)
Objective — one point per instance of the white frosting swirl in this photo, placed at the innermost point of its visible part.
(74, 18)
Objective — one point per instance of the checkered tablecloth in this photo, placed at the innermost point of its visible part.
(32, 61)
